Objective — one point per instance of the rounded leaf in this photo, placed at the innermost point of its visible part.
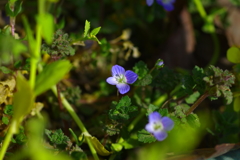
(233, 55)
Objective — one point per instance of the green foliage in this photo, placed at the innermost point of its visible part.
(21, 137)
(61, 45)
(90, 35)
(233, 54)
(57, 137)
(193, 120)
(47, 23)
(236, 104)
(10, 47)
(141, 70)
(51, 75)
(121, 111)
(166, 79)
(151, 108)
(5, 70)
(219, 83)
(17, 8)
(8, 109)
(5, 120)
(22, 105)
(145, 137)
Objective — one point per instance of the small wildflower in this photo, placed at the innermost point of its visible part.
(158, 125)
(167, 4)
(121, 79)
(159, 64)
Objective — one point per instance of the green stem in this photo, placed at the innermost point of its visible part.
(6, 141)
(77, 120)
(200, 8)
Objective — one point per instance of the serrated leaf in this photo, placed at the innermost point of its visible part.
(95, 31)
(86, 28)
(51, 75)
(146, 80)
(140, 69)
(163, 112)
(233, 54)
(145, 137)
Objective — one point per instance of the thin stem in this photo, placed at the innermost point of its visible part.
(77, 120)
(200, 8)
(6, 141)
(194, 106)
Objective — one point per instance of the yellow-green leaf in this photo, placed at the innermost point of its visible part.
(22, 100)
(233, 55)
(47, 22)
(236, 104)
(51, 75)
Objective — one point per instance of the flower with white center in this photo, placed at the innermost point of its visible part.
(167, 4)
(121, 79)
(159, 125)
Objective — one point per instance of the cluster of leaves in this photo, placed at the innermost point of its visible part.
(120, 113)
(61, 45)
(57, 138)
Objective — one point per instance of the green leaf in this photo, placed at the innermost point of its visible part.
(47, 22)
(145, 137)
(236, 104)
(163, 112)
(192, 98)
(51, 75)
(233, 55)
(97, 145)
(8, 109)
(146, 80)
(140, 69)
(151, 108)
(193, 120)
(31, 40)
(121, 111)
(86, 28)
(23, 100)
(5, 120)
(57, 137)
(10, 46)
(17, 8)
(5, 70)
(95, 31)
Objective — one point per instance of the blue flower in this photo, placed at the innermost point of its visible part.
(167, 4)
(121, 79)
(158, 125)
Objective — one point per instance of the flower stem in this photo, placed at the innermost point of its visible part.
(7, 140)
(194, 106)
(77, 120)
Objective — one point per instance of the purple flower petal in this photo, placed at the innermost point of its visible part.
(123, 88)
(149, 2)
(150, 127)
(131, 77)
(166, 5)
(154, 117)
(112, 81)
(117, 70)
(160, 135)
(167, 123)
